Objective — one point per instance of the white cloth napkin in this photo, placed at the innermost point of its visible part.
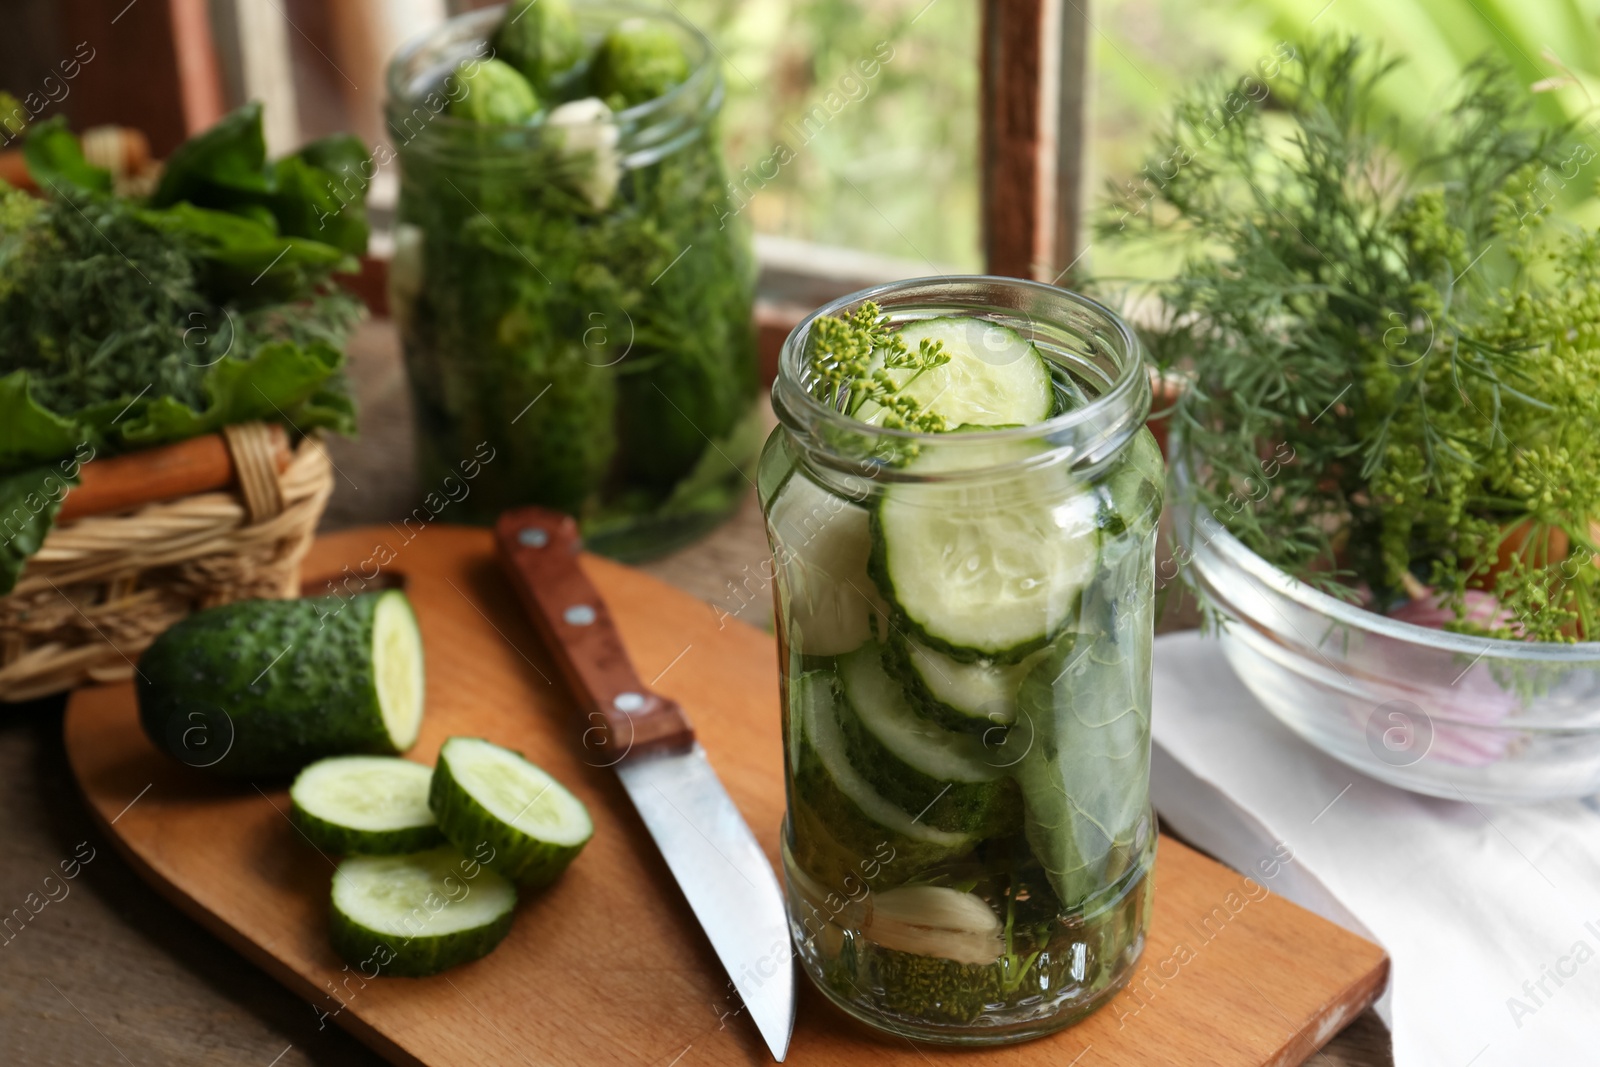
(1490, 914)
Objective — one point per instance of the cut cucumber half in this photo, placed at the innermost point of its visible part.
(994, 377)
(263, 687)
(410, 916)
(843, 827)
(991, 563)
(493, 804)
(365, 805)
(972, 698)
(397, 667)
(821, 543)
(945, 778)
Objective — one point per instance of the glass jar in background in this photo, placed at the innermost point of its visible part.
(574, 297)
(965, 624)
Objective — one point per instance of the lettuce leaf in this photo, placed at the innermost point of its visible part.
(299, 386)
(308, 204)
(245, 258)
(223, 167)
(126, 324)
(283, 382)
(29, 500)
(28, 433)
(55, 159)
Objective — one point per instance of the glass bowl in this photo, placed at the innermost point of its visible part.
(1446, 714)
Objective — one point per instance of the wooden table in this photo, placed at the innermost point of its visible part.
(109, 973)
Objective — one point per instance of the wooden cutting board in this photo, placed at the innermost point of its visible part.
(608, 966)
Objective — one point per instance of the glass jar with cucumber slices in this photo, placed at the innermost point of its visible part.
(962, 502)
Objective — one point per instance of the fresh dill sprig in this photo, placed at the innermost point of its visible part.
(1416, 346)
(852, 357)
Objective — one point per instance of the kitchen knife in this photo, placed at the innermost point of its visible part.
(650, 743)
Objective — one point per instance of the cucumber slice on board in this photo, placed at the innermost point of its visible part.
(987, 565)
(843, 828)
(994, 377)
(365, 805)
(821, 543)
(492, 803)
(945, 778)
(415, 915)
(972, 698)
(263, 687)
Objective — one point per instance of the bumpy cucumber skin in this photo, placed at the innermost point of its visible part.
(956, 807)
(837, 843)
(209, 684)
(417, 957)
(467, 824)
(897, 661)
(338, 840)
(392, 956)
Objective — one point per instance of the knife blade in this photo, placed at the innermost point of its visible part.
(648, 740)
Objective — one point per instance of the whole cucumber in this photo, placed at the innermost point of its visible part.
(263, 687)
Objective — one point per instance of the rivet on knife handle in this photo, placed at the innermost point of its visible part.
(540, 551)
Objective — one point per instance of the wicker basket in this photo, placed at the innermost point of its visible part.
(101, 588)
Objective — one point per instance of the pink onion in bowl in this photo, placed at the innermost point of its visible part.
(1431, 611)
(1476, 698)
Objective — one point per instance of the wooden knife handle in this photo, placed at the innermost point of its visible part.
(539, 549)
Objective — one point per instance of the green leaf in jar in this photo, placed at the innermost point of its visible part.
(1085, 768)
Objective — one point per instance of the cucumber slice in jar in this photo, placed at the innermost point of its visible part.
(972, 698)
(495, 805)
(992, 563)
(365, 805)
(994, 377)
(843, 828)
(821, 543)
(416, 915)
(1083, 734)
(945, 777)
